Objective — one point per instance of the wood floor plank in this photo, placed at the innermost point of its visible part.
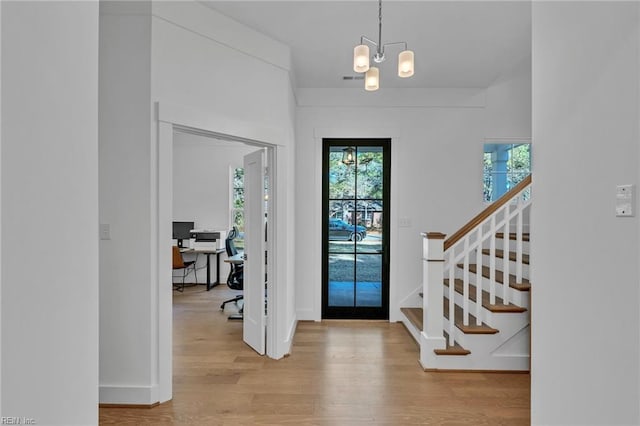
(338, 373)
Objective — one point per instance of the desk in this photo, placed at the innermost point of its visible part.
(208, 252)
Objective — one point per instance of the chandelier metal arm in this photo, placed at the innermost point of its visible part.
(380, 47)
(364, 38)
(395, 42)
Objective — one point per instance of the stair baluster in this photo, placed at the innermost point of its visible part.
(452, 295)
(478, 253)
(492, 262)
(519, 238)
(465, 283)
(505, 250)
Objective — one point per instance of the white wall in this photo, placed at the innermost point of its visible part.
(201, 179)
(127, 370)
(186, 55)
(192, 68)
(49, 212)
(508, 111)
(287, 182)
(201, 186)
(436, 174)
(1, 207)
(585, 344)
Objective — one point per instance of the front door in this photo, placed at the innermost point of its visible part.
(355, 232)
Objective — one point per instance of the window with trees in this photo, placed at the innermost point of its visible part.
(505, 165)
(237, 204)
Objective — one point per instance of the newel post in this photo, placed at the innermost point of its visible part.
(433, 291)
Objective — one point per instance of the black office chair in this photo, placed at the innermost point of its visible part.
(235, 280)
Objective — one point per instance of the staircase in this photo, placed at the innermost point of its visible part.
(475, 309)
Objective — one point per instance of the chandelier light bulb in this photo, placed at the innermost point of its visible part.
(372, 79)
(361, 58)
(405, 64)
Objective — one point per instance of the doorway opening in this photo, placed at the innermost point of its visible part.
(355, 228)
(202, 181)
(171, 121)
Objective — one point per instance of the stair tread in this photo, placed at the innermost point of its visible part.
(524, 285)
(512, 255)
(512, 236)
(472, 328)
(499, 306)
(414, 315)
(456, 349)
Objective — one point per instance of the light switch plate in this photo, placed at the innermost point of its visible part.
(404, 222)
(625, 200)
(105, 231)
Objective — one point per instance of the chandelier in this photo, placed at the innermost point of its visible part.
(361, 57)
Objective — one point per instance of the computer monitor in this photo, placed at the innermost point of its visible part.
(182, 231)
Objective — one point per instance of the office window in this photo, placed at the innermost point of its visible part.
(237, 204)
(505, 165)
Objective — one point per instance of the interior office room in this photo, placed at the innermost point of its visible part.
(94, 100)
(203, 185)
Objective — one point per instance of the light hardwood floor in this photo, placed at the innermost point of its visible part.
(339, 373)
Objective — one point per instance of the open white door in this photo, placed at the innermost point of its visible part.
(254, 249)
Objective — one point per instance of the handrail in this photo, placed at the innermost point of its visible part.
(483, 215)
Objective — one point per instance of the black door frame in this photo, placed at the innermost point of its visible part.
(357, 312)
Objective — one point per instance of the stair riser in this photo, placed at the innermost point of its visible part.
(512, 265)
(512, 245)
(498, 320)
(486, 343)
(471, 362)
(517, 297)
(494, 353)
(472, 342)
(507, 325)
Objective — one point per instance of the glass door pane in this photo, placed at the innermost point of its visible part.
(355, 241)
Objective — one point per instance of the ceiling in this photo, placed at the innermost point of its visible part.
(456, 43)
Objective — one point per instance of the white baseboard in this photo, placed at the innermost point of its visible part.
(129, 395)
(290, 335)
(306, 315)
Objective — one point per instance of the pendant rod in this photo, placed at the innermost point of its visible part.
(380, 47)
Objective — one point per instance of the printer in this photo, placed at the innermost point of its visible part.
(207, 239)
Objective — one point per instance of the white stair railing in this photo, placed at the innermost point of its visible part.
(467, 244)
